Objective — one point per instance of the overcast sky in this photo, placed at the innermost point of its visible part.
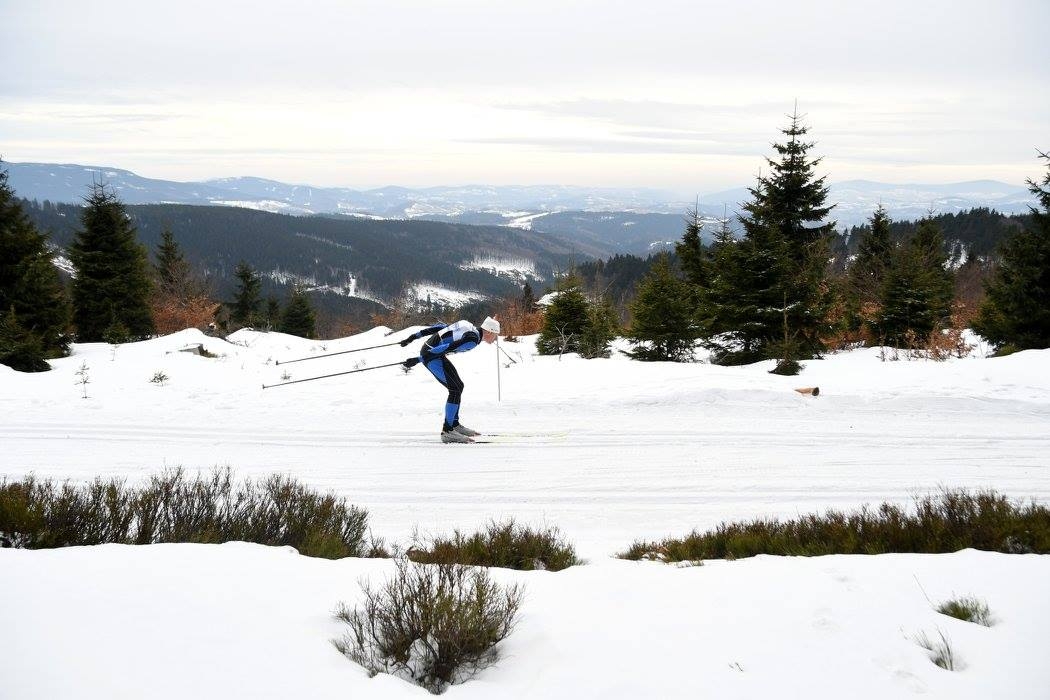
(683, 96)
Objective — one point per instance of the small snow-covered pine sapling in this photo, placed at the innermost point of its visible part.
(968, 609)
(159, 378)
(82, 378)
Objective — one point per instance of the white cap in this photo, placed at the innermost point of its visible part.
(490, 324)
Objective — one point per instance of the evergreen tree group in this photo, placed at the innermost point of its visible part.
(917, 292)
(34, 309)
(765, 296)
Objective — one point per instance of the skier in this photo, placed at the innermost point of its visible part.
(458, 337)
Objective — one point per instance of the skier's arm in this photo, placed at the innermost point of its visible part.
(468, 341)
(419, 334)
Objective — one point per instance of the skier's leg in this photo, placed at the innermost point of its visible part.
(455, 393)
(438, 367)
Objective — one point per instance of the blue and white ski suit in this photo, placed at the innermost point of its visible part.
(446, 339)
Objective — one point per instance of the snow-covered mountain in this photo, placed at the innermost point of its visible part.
(69, 183)
(855, 200)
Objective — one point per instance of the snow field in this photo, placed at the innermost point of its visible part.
(610, 451)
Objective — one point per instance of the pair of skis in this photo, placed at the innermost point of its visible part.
(497, 438)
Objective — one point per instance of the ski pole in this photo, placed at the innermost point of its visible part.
(326, 376)
(342, 352)
(505, 352)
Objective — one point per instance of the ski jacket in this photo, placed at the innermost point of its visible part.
(459, 337)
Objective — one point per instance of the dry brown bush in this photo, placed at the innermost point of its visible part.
(171, 314)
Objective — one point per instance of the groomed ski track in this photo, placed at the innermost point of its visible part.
(669, 449)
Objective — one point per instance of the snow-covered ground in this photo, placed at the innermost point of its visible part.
(610, 451)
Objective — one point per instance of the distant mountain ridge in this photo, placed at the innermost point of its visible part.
(855, 200)
(69, 183)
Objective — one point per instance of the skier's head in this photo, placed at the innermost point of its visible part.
(489, 329)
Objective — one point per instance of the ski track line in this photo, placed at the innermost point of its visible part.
(296, 436)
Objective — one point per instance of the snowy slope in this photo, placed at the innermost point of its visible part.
(624, 451)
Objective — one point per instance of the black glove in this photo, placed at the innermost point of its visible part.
(406, 341)
(410, 362)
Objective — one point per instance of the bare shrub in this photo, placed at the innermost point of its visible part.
(173, 508)
(175, 312)
(507, 545)
(947, 522)
(432, 625)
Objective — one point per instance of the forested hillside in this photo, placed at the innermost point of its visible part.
(977, 231)
(371, 258)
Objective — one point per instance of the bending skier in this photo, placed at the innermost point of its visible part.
(444, 340)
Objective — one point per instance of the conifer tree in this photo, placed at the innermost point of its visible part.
(866, 276)
(20, 349)
(273, 313)
(717, 311)
(779, 298)
(663, 317)
(746, 297)
(1016, 311)
(867, 271)
(244, 309)
(171, 269)
(602, 328)
(298, 317)
(693, 257)
(528, 299)
(565, 320)
(112, 285)
(34, 310)
(180, 298)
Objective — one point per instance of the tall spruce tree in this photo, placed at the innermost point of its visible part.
(34, 309)
(298, 317)
(779, 301)
(1016, 311)
(112, 285)
(244, 309)
(663, 317)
